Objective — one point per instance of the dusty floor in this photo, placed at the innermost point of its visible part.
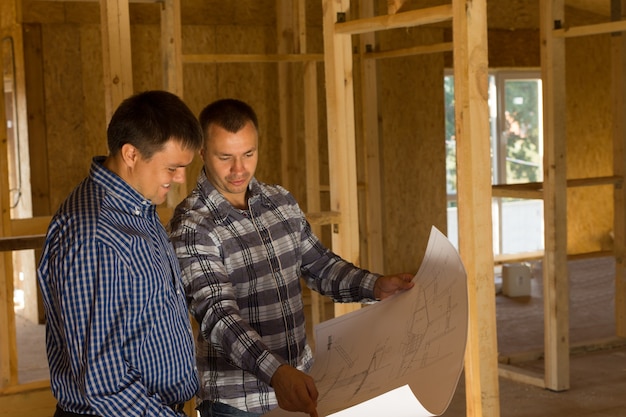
(598, 385)
(598, 377)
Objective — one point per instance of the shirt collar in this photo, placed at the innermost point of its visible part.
(223, 206)
(119, 189)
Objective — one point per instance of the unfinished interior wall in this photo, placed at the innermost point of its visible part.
(589, 143)
(412, 134)
(410, 102)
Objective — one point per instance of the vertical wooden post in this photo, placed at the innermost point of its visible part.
(555, 279)
(371, 145)
(8, 345)
(469, 28)
(172, 62)
(11, 32)
(341, 145)
(116, 53)
(171, 47)
(288, 43)
(618, 64)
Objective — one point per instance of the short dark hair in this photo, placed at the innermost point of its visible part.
(229, 113)
(149, 119)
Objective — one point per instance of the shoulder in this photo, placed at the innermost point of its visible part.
(193, 212)
(277, 193)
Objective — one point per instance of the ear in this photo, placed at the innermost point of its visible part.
(130, 155)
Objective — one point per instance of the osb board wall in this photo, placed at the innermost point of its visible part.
(413, 147)
(75, 109)
(72, 54)
(589, 142)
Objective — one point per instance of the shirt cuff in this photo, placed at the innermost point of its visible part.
(268, 363)
(367, 286)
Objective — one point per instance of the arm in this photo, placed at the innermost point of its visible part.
(213, 302)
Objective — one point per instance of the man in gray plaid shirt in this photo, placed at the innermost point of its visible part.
(243, 246)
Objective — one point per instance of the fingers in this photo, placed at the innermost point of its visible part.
(295, 390)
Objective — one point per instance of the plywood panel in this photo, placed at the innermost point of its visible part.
(64, 110)
(589, 142)
(94, 121)
(413, 148)
(256, 84)
(146, 53)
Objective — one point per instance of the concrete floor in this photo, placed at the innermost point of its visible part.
(597, 376)
(598, 359)
(598, 388)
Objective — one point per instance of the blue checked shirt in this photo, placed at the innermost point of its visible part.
(118, 335)
(241, 271)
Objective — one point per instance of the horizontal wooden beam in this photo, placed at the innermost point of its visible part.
(242, 58)
(534, 190)
(98, 1)
(415, 50)
(400, 20)
(8, 244)
(324, 218)
(521, 375)
(30, 226)
(589, 182)
(588, 30)
(517, 257)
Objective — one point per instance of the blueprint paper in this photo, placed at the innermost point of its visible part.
(411, 343)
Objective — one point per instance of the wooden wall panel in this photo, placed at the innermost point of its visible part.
(64, 110)
(147, 68)
(413, 148)
(94, 122)
(589, 142)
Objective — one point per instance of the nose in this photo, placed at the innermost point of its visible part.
(179, 175)
(238, 166)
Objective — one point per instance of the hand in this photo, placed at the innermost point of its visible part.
(295, 390)
(388, 285)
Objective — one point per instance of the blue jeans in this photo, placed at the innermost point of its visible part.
(211, 409)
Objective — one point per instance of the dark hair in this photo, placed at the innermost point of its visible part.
(149, 119)
(229, 114)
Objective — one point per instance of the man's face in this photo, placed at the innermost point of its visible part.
(153, 177)
(230, 160)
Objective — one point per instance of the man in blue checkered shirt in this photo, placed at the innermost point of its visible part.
(243, 246)
(118, 335)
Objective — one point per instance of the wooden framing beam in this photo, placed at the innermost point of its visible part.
(341, 136)
(469, 25)
(555, 279)
(415, 50)
(116, 53)
(618, 90)
(287, 44)
(588, 30)
(11, 36)
(243, 58)
(411, 18)
(370, 144)
(172, 63)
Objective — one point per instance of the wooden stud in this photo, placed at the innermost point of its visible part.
(340, 120)
(116, 53)
(370, 143)
(172, 62)
(555, 280)
(11, 31)
(618, 70)
(469, 26)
